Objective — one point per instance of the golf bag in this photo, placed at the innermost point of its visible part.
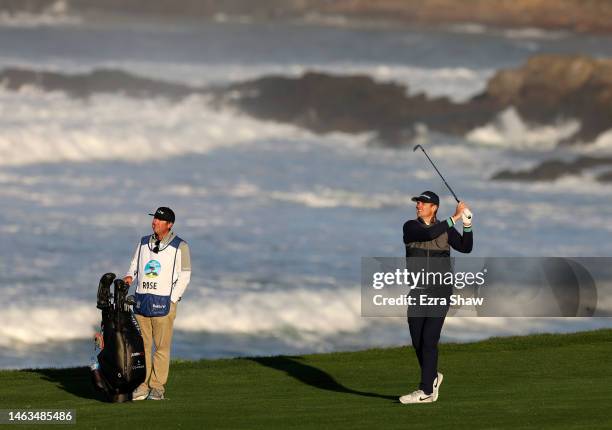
(119, 366)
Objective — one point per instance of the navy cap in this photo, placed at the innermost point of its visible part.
(164, 214)
(427, 197)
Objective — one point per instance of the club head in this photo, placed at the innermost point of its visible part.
(121, 289)
(417, 147)
(120, 286)
(104, 294)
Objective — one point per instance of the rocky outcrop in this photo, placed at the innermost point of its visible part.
(576, 15)
(97, 81)
(554, 169)
(352, 104)
(605, 177)
(548, 88)
(164, 9)
(552, 87)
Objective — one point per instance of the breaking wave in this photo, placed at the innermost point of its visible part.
(319, 197)
(41, 118)
(141, 79)
(314, 312)
(48, 127)
(98, 81)
(510, 131)
(298, 320)
(534, 34)
(56, 14)
(527, 33)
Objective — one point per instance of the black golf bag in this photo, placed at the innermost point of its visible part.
(120, 365)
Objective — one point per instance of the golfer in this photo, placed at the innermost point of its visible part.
(161, 269)
(428, 242)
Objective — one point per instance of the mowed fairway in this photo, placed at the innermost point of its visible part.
(543, 381)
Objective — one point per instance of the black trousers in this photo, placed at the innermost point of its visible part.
(425, 334)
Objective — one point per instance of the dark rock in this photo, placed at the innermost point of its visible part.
(605, 177)
(576, 15)
(352, 104)
(553, 169)
(547, 89)
(97, 81)
(552, 87)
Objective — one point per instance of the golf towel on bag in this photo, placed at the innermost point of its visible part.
(156, 277)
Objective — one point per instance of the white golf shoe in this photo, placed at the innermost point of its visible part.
(436, 386)
(156, 394)
(141, 392)
(417, 396)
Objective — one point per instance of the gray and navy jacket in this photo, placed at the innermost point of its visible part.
(428, 246)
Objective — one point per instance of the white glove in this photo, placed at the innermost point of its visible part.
(466, 217)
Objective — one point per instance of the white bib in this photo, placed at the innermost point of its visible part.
(156, 277)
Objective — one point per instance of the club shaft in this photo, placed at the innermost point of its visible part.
(443, 180)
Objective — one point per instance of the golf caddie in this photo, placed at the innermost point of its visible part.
(161, 270)
(428, 243)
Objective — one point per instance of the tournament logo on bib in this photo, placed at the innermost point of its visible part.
(152, 268)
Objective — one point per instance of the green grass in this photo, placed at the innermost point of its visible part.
(543, 381)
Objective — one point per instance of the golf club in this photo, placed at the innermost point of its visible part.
(469, 214)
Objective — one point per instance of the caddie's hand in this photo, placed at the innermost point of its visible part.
(467, 217)
(458, 211)
(128, 280)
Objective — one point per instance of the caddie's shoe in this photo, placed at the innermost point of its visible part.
(156, 394)
(436, 386)
(417, 396)
(141, 392)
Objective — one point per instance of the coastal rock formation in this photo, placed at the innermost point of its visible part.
(547, 89)
(605, 177)
(352, 104)
(553, 87)
(97, 81)
(554, 169)
(574, 15)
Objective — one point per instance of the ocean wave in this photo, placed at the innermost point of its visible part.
(534, 34)
(298, 320)
(54, 15)
(313, 312)
(331, 198)
(51, 127)
(603, 143)
(145, 79)
(510, 131)
(317, 197)
(98, 81)
(323, 197)
(468, 28)
(526, 33)
(59, 321)
(307, 310)
(298, 316)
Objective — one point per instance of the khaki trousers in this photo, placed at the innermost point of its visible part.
(157, 331)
